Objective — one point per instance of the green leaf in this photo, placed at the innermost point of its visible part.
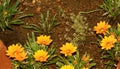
(92, 64)
(25, 15)
(17, 22)
(105, 56)
(59, 64)
(29, 27)
(14, 7)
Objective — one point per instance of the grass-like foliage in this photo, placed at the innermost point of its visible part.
(7, 14)
(112, 8)
(46, 24)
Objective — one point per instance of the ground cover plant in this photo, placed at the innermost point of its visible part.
(38, 54)
(46, 25)
(74, 42)
(109, 41)
(112, 8)
(8, 15)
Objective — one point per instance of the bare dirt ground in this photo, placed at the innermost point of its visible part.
(19, 34)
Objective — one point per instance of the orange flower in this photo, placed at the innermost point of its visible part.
(112, 34)
(107, 42)
(68, 49)
(21, 56)
(44, 40)
(75, 62)
(41, 55)
(118, 38)
(101, 27)
(17, 52)
(85, 57)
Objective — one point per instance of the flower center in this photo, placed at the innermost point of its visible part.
(108, 44)
(68, 51)
(41, 57)
(102, 30)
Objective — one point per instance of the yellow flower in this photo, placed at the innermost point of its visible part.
(101, 27)
(41, 55)
(44, 40)
(68, 49)
(107, 42)
(21, 56)
(67, 67)
(17, 52)
(14, 49)
(85, 68)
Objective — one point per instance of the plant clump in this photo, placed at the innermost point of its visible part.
(36, 55)
(109, 42)
(111, 8)
(80, 28)
(46, 24)
(8, 13)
